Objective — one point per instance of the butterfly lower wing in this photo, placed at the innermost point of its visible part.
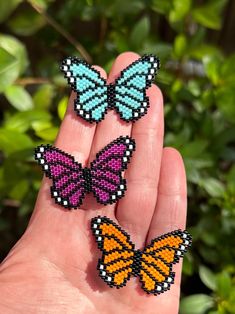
(115, 265)
(158, 258)
(91, 102)
(131, 101)
(68, 182)
(106, 170)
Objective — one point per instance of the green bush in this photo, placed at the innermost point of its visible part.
(198, 82)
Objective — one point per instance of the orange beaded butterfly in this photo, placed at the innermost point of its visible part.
(153, 265)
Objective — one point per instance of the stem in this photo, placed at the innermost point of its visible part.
(32, 81)
(11, 203)
(63, 32)
(103, 29)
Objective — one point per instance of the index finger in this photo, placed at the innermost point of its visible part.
(75, 137)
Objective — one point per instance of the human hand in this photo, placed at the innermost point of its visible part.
(52, 268)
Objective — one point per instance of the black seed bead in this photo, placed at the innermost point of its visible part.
(87, 179)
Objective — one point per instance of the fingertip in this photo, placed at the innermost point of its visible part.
(171, 154)
(171, 151)
(155, 92)
(155, 115)
(121, 62)
(127, 55)
(172, 176)
(100, 70)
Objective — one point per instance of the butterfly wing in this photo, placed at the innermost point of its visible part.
(158, 258)
(115, 265)
(106, 170)
(67, 176)
(91, 101)
(130, 88)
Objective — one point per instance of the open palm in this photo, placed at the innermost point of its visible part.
(52, 269)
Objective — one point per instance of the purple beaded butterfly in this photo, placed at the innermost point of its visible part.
(104, 176)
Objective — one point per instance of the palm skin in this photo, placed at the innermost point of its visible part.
(52, 268)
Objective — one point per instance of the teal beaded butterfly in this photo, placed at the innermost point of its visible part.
(127, 95)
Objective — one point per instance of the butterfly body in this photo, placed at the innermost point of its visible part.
(88, 179)
(137, 262)
(153, 265)
(110, 95)
(127, 95)
(71, 182)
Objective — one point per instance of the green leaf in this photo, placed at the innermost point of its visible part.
(177, 86)
(26, 23)
(207, 277)
(194, 148)
(8, 68)
(231, 175)
(22, 121)
(193, 175)
(225, 100)
(209, 15)
(14, 48)
(7, 7)
(188, 264)
(202, 50)
(43, 97)
(19, 190)
(123, 7)
(12, 141)
(40, 125)
(120, 41)
(213, 187)
(178, 140)
(6, 61)
(206, 17)
(193, 166)
(231, 301)
(209, 238)
(194, 88)
(162, 7)
(196, 304)
(165, 77)
(228, 66)
(19, 98)
(180, 45)
(224, 285)
(212, 66)
(62, 106)
(48, 134)
(179, 10)
(42, 4)
(228, 70)
(140, 32)
(162, 50)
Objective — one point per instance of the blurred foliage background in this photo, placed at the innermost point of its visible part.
(195, 42)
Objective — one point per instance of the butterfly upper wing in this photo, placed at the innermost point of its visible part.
(66, 174)
(158, 258)
(115, 265)
(91, 102)
(106, 170)
(130, 88)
